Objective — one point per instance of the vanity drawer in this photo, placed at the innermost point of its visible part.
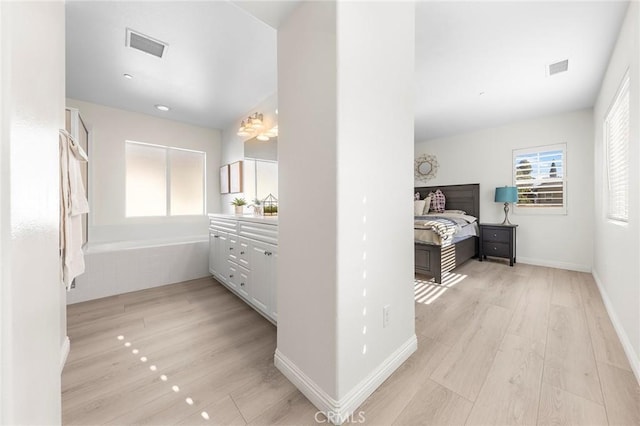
(243, 253)
(232, 248)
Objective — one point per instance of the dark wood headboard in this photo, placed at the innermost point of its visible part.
(458, 197)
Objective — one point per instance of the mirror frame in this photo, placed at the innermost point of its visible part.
(429, 159)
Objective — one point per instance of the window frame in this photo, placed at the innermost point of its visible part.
(541, 209)
(623, 88)
(167, 150)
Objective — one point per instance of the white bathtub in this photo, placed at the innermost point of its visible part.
(121, 267)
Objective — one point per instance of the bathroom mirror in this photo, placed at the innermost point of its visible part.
(260, 168)
(262, 150)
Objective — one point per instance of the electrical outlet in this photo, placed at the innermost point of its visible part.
(386, 315)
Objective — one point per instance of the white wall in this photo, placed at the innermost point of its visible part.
(345, 234)
(233, 146)
(33, 86)
(374, 186)
(617, 249)
(485, 157)
(109, 129)
(307, 248)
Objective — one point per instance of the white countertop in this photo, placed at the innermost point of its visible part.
(273, 220)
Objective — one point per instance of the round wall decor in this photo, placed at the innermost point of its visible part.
(426, 167)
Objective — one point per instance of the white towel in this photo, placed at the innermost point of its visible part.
(73, 203)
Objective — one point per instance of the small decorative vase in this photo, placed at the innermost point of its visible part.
(238, 209)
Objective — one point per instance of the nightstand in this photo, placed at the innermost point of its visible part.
(498, 240)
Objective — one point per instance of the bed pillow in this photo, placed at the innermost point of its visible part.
(455, 211)
(416, 196)
(437, 201)
(427, 205)
(418, 207)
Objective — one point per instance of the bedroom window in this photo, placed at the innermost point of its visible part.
(616, 134)
(163, 181)
(540, 175)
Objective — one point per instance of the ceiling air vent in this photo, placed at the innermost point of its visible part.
(145, 43)
(558, 67)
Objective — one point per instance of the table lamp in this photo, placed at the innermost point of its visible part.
(506, 195)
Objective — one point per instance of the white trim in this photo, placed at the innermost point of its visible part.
(554, 264)
(633, 358)
(343, 408)
(64, 352)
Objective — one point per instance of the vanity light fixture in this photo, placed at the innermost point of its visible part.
(162, 108)
(251, 125)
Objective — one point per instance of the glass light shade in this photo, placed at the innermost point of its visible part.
(256, 121)
(262, 137)
(506, 194)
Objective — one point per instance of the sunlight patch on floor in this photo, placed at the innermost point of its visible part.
(427, 291)
(163, 377)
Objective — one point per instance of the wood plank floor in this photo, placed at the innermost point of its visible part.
(496, 346)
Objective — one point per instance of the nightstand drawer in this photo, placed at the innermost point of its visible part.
(496, 234)
(496, 249)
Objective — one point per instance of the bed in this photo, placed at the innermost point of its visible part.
(432, 258)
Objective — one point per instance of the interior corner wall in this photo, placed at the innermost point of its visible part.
(109, 129)
(33, 90)
(617, 249)
(486, 157)
(233, 145)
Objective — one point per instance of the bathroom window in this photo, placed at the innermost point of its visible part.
(163, 180)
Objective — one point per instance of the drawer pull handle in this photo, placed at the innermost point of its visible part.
(241, 252)
(495, 248)
(241, 284)
(216, 236)
(268, 253)
(231, 276)
(495, 235)
(230, 248)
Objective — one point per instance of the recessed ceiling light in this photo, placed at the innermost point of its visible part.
(162, 107)
(128, 76)
(481, 93)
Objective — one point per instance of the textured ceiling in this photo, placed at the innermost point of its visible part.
(478, 64)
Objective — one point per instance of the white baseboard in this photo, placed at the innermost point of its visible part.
(337, 411)
(554, 264)
(633, 358)
(64, 352)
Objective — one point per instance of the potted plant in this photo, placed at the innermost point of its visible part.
(239, 203)
(257, 207)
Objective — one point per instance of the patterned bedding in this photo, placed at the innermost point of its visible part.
(443, 228)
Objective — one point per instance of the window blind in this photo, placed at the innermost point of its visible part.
(539, 174)
(163, 181)
(617, 148)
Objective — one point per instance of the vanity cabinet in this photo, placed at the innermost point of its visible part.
(243, 256)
